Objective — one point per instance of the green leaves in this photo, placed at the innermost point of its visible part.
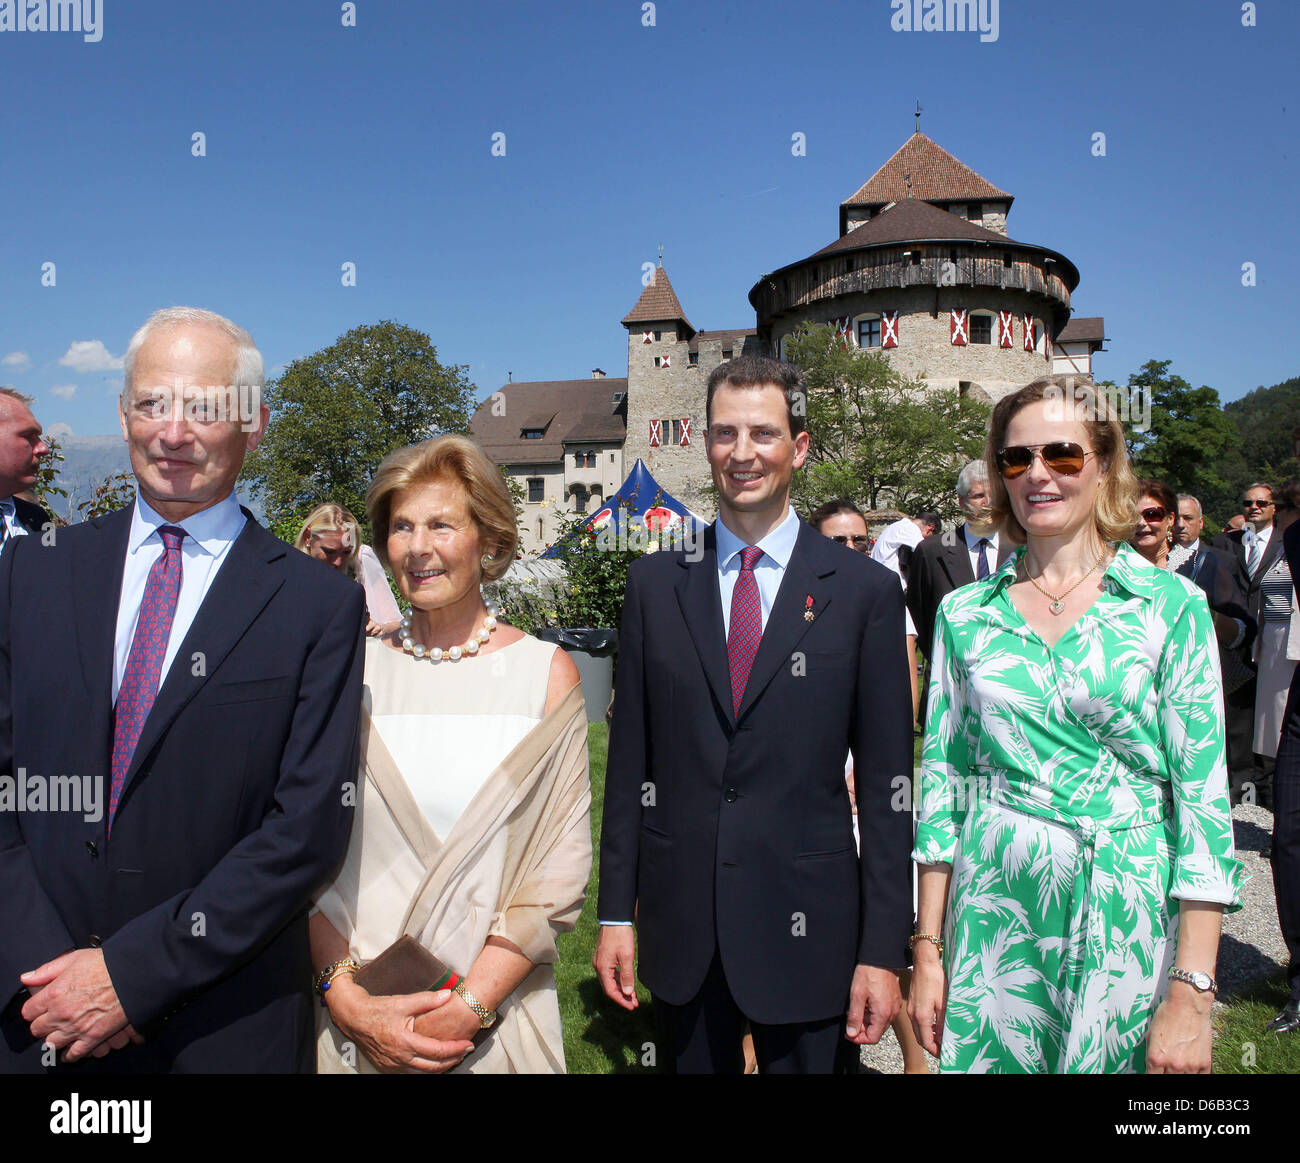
(336, 414)
(878, 439)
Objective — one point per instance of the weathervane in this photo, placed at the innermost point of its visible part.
(661, 254)
(918, 116)
(908, 179)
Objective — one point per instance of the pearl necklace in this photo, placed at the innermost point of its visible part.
(453, 653)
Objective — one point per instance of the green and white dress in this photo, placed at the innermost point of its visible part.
(1079, 793)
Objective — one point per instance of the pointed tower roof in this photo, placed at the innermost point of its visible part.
(657, 304)
(936, 176)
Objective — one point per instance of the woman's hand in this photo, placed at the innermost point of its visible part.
(1181, 1036)
(453, 1022)
(384, 1028)
(927, 1000)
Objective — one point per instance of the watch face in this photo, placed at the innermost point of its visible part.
(1201, 981)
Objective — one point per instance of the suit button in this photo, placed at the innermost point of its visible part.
(93, 849)
(732, 795)
(95, 942)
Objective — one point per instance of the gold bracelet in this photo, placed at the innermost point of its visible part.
(485, 1016)
(330, 972)
(935, 941)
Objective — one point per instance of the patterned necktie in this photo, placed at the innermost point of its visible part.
(1254, 551)
(982, 561)
(153, 630)
(746, 625)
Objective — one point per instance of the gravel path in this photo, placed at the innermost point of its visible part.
(1251, 946)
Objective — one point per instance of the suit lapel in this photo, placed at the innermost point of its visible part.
(701, 606)
(98, 588)
(238, 594)
(786, 624)
(956, 560)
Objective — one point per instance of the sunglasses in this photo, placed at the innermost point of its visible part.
(1061, 456)
(1154, 515)
(859, 541)
(1247, 503)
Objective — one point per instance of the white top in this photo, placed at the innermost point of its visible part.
(12, 526)
(380, 603)
(891, 540)
(448, 725)
(777, 547)
(209, 536)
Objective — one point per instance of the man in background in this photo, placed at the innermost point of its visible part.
(22, 449)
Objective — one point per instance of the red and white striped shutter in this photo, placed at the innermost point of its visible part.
(686, 431)
(1006, 328)
(667, 361)
(959, 323)
(656, 432)
(647, 337)
(889, 329)
(1029, 332)
(843, 330)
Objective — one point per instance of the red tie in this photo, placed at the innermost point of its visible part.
(746, 625)
(153, 630)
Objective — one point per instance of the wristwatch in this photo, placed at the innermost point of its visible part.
(1201, 982)
(485, 1016)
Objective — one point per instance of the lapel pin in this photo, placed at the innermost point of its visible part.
(808, 609)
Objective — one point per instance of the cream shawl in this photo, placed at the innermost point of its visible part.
(515, 866)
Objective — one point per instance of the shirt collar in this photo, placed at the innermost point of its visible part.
(210, 529)
(1128, 569)
(973, 541)
(7, 507)
(778, 545)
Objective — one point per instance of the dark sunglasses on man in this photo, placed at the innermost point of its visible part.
(1247, 503)
(1061, 456)
(858, 542)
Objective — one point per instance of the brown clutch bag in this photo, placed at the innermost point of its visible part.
(405, 966)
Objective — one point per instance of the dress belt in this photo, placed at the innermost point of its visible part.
(1087, 981)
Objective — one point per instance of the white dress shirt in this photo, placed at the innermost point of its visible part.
(209, 534)
(12, 526)
(777, 547)
(973, 548)
(892, 538)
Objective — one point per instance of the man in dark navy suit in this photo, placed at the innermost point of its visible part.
(22, 448)
(747, 672)
(193, 684)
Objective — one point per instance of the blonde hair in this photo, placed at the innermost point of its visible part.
(330, 518)
(1115, 510)
(456, 458)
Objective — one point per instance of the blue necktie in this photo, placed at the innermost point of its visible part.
(982, 561)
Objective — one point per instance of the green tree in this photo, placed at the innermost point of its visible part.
(1184, 439)
(336, 414)
(47, 485)
(114, 492)
(878, 439)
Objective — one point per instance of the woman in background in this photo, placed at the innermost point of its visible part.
(332, 534)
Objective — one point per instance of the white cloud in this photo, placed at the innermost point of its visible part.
(90, 355)
(59, 431)
(20, 361)
(64, 391)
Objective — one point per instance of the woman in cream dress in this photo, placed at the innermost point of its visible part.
(472, 832)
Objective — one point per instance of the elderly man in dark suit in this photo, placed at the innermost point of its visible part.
(1249, 553)
(970, 553)
(22, 448)
(747, 672)
(194, 682)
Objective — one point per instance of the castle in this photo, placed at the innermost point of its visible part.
(923, 271)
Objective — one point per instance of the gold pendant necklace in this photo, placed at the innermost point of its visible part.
(1057, 601)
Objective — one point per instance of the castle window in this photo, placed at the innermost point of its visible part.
(726, 354)
(677, 432)
(658, 336)
(869, 331)
(1006, 259)
(913, 256)
(693, 358)
(981, 327)
(532, 434)
(577, 460)
(591, 460)
(579, 500)
(536, 490)
(975, 212)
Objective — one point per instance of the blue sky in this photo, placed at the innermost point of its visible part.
(372, 145)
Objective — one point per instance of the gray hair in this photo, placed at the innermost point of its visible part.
(1188, 497)
(249, 371)
(1272, 492)
(974, 473)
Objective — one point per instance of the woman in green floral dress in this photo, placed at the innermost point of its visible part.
(1075, 841)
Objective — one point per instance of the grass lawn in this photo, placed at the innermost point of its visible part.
(600, 1038)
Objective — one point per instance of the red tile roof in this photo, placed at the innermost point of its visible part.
(936, 176)
(657, 304)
